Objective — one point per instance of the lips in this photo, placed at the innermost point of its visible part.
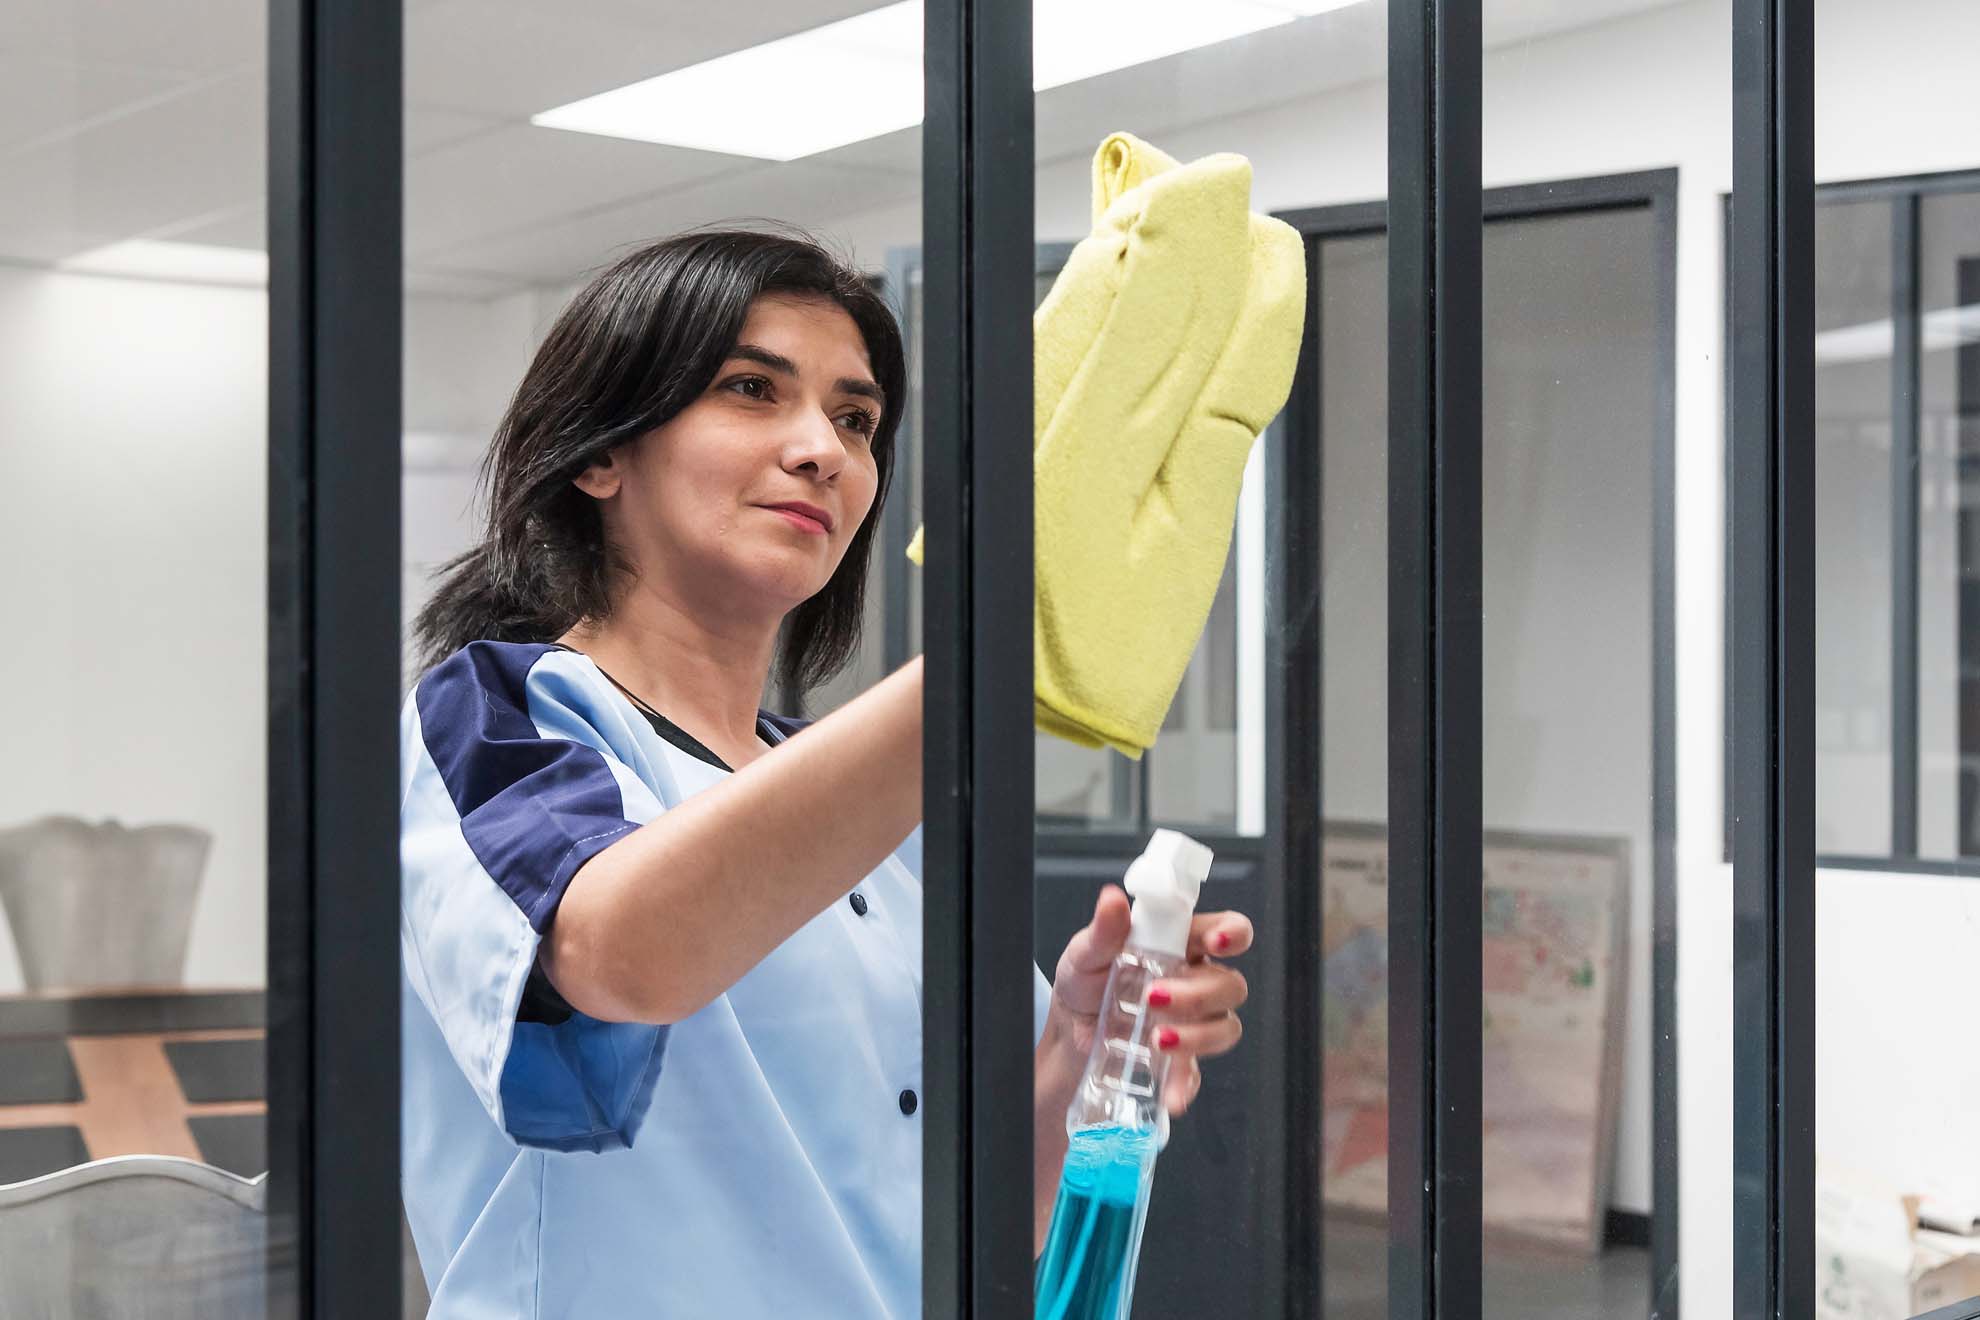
(798, 510)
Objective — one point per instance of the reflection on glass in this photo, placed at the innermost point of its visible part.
(133, 480)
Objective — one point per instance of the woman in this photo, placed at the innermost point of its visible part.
(662, 949)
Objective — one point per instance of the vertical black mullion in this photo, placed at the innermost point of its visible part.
(1127, 805)
(978, 757)
(1435, 722)
(1143, 787)
(291, 1170)
(334, 656)
(1288, 1116)
(1904, 526)
(1664, 1275)
(1772, 499)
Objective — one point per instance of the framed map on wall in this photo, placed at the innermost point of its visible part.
(1555, 919)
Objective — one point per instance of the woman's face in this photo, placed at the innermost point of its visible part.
(749, 496)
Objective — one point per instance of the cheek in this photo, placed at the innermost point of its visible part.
(698, 480)
(869, 479)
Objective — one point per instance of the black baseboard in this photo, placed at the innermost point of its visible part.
(1626, 1228)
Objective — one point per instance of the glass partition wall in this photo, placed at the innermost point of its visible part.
(1577, 705)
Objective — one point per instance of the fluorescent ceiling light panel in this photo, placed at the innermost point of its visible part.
(192, 263)
(798, 95)
(860, 78)
(1939, 331)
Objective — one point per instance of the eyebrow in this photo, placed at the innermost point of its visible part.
(860, 385)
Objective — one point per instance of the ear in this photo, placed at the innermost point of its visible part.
(602, 478)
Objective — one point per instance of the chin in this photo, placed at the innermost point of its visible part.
(786, 579)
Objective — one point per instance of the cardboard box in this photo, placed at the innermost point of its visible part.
(1874, 1262)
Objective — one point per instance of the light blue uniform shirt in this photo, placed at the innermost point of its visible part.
(752, 1160)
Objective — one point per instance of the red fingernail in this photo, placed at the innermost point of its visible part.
(1223, 939)
(1158, 997)
(1167, 1038)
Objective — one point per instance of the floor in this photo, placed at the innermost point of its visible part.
(1520, 1284)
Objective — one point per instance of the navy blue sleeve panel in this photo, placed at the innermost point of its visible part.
(533, 808)
(513, 782)
(582, 1084)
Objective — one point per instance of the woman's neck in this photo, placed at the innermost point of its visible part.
(706, 676)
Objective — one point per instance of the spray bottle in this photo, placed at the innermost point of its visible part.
(1116, 1123)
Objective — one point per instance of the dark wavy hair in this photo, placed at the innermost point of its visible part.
(637, 345)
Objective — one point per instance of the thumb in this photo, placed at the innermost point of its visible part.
(1095, 948)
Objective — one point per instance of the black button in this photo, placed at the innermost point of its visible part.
(858, 901)
(909, 1103)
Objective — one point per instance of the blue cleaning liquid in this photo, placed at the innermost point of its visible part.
(1087, 1270)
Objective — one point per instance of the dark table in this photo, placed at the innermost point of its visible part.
(145, 1071)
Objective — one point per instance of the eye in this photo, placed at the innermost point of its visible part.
(863, 421)
(753, 387)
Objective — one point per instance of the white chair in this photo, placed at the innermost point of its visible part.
(148, 1236)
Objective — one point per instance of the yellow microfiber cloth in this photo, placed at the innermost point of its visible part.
(1165, 346)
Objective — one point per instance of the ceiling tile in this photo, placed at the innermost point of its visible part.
(561, 251)
(42, 98)
(520, 176)
(196, 155)
(199, 37)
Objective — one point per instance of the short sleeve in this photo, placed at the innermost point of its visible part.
(510, 787)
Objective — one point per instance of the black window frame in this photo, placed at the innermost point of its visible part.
(1655, 192)
(335, 178)
(1904, 194)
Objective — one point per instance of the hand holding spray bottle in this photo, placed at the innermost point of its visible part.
(1116, 1124)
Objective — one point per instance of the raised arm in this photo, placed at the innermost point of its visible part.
(664, 920)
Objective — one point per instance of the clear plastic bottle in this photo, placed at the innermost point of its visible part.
(1116, 1124)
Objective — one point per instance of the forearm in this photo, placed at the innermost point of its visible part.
(1055, 1076)
(657, 925)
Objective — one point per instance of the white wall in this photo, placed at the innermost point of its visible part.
(133, 474)
(1896, 1071)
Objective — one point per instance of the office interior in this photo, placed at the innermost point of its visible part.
(135, 813)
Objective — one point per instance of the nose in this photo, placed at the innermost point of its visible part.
(815, 448)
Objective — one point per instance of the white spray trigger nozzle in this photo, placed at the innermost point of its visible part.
(1165, 882)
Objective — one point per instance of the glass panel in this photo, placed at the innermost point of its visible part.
(1853, 510)
(1572, 375)
(1193, 778)
(1602, 360)
(133, 527)
(1353, 353)
(1299, 94)
(1949, 540)
(567, 303)
(1897, 1165)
